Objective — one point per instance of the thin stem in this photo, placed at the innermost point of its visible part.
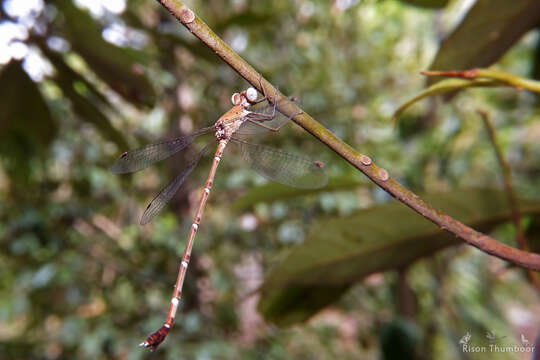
(362, 162)
(507, 175)
(512, 198)
(443, 87)
(405, 298)
(492, 74)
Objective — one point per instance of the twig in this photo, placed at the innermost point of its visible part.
(405, 297)
(512, 198)
(362, 162)
(443, 87)
(507, 175)
(492, 74)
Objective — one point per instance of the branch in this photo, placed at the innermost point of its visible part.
(362, 162)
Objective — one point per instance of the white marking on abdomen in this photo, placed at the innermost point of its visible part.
(174, 302)
(184, 264)
(195, 226)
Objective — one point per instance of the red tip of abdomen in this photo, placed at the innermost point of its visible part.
(156, 338)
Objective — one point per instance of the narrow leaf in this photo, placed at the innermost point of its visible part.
(26, 125)
(61, 66)
(430, 4)
(88, 109)
(340, 251)
(119, 67)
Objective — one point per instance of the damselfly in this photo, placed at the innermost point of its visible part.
(242, 118)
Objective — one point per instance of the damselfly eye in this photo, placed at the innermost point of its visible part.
(251, 94)
(236, 98)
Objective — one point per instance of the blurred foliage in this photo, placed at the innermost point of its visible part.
(81, 280)
(20, 106)
(496, 26)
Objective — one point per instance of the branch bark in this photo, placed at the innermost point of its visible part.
(362, 162)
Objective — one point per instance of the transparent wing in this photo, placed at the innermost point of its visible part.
(285, 168)
(264, 113)
(166, 194)
(138, 159)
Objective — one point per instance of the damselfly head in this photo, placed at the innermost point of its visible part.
(236, 99)
(319, 164)
(251, 94)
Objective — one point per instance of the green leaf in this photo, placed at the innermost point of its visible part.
(26, 125)
(86, 100)
(275, 192)
(294, 304)
(489, 29)
(67, 72)
(86, 105)
(431, 4)
(340, 251)
(119, 67)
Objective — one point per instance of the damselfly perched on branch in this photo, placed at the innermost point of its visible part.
(274, 164)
